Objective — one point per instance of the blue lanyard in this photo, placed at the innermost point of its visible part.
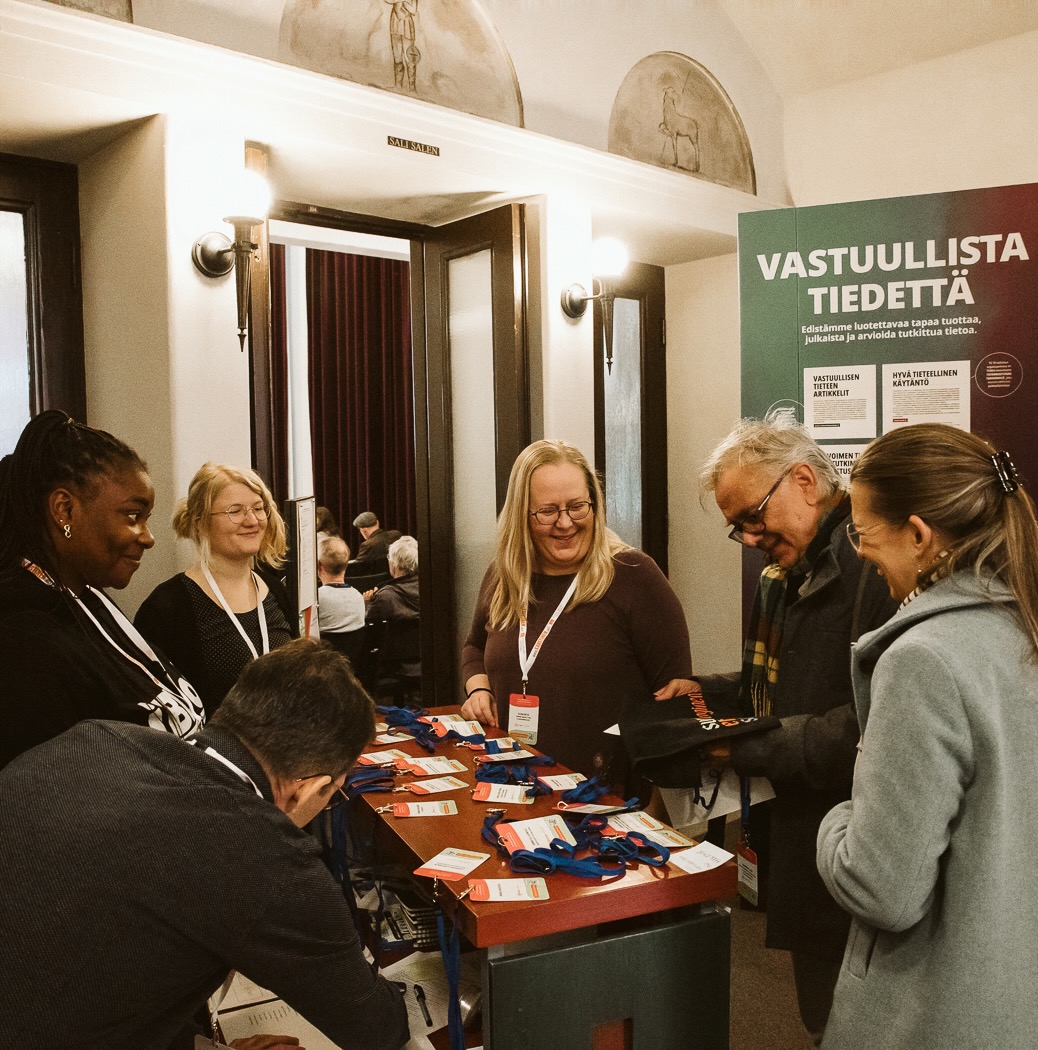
(473, 738)
(585, 791)
(611, 855)
(364, 781)
(399, 716)
(450, 949)
(516, 773)
(409, 720)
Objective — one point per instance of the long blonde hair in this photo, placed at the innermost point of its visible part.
(515, 560)
(191, 518)
(953, 480)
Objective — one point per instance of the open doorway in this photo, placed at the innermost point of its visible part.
(471, 412)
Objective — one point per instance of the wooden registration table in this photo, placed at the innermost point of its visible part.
(626, 963)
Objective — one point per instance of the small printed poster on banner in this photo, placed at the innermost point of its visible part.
(840, 402)
(926, 392)
(843, 457)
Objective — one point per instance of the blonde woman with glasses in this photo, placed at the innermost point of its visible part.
(571, 624)
(230, 606)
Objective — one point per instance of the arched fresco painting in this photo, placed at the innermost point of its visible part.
(120, 10)
(447, 53)
(672, 112)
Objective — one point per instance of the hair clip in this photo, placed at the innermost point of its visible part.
(1006, 471)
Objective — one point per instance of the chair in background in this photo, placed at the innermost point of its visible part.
(393, 661)
(350, 644)
(371, 572)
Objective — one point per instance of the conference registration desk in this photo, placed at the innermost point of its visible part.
(626, 963)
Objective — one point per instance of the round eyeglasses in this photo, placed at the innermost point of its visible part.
(574, 511)
(237, 514)
(854, 534)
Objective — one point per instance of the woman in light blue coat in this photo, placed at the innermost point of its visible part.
(936, 854)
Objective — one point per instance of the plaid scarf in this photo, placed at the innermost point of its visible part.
(760, 655)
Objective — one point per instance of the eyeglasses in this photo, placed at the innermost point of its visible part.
(237, 514)
(337, 797)
(854, 534)
(574, 511)
(753, 523)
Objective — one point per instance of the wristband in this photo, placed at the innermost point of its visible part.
(479, 689)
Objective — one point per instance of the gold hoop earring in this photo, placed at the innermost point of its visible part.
(68, 530)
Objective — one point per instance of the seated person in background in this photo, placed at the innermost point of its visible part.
(326, 526)
(139, 870)
(617, 629)
(74, 510)
(230, 606)
(376, 540)
(399, 655)
(340, 607)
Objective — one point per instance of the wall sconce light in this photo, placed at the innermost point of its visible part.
(610, 260)
(214, 254)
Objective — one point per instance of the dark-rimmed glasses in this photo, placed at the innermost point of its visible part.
(753, 523)
(574, 511)
(237, 514)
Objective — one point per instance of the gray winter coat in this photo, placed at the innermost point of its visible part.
(936, 854)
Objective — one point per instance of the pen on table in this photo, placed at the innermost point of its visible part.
(419, 994)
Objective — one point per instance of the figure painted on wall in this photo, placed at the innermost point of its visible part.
(464, 62)
(677, 125)
(120, 10)
(700, 134)
(402, 40)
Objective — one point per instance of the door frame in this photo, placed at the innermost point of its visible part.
(503, 232)
(647, 285)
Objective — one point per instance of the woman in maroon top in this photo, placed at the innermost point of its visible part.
(571, 624)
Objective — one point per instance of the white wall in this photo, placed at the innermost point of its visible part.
(703, 390)
(961, 122)
(164, 371)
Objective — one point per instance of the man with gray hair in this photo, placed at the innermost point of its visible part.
(393, 612)
(139, 870)
(780, 494)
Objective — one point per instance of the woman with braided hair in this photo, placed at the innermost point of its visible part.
(74, 509)
(935, 856)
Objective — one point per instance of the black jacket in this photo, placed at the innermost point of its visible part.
(138, 870)
(810, 760)
(57, 668)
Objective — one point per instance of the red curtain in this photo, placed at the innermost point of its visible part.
(278, 375)
(361, 388)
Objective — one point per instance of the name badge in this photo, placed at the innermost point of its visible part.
(523, 713)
